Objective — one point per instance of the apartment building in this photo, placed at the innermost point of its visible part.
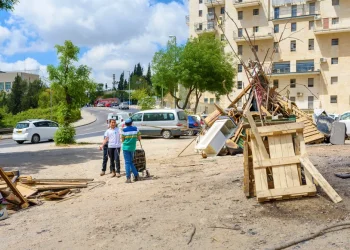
(304, 45)
(7, 79)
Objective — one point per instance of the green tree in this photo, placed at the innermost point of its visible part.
(3, 98)
(139, 70)
(149, 75)
(18, 91)
(143, 99)
(31, 98)
(71, 83)
(7, 4)
(121, 82)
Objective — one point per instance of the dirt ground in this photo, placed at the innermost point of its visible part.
(160, 213)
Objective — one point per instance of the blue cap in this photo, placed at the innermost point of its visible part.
(128, 121)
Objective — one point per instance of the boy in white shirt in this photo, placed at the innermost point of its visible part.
(114, 144)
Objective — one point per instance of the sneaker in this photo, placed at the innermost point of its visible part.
(113, 174)
(102, 173)
(118, 175)
(137, 178)
(128, 180)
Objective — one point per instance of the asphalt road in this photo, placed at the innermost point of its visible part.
(94, 129)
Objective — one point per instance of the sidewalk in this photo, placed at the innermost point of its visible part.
(86, 119)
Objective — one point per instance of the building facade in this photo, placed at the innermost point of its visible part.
(304, 45)
(7, 79)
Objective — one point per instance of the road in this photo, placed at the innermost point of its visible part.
(95, 129)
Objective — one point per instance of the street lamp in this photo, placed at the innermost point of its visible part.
(174, 37)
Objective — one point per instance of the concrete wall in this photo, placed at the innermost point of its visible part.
(7, 79)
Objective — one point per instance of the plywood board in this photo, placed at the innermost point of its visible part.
(25, 190)
(260, 175)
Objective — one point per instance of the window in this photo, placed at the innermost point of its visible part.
(334, 60)
(255, 12)
(240, 50)
(200, 13)
(335, 41)
(311, 25)
(334, 80)
(240, 32)
(345, 116)
(256, 48)
(335, 20)
(211, 100)
(276, 12)
(137, 117)
(2, 86)
(305, 66)
(53, 124)
(294, 10)
(7, 85)
(181, 115)
(312, 8)
(222, 10)
(239, 85)
(22, 125)
(240, 68)
(281, 67)
(240, 15)
(293, 26)
(275, 47)
(310, 82)
(311, 44)
(292, 83)
(334, 99)
(205, 100)
(158, 117)
(293, 45)
(200, 26)
(276, 28)
(292, 98)
(275, 83)
(200, 1)
(335, 2)
(222, 37)
(256, 29)
(310, 102)
(41, 124)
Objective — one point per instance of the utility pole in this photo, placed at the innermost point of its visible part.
(129, 86)
(174, 37)
(113, 85)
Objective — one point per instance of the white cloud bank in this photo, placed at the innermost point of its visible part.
(117, 33)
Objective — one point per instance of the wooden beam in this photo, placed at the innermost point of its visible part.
(286, 192)
(277, 162)
(281, 127)
(257, 136)
(332, 194)
(246, 180)
(239, 97)
(24, 202)
(263, 109)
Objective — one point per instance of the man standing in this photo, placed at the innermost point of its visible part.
(130, 135)
(113, 140)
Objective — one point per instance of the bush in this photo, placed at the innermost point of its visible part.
(64, 135)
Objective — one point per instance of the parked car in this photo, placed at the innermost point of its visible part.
(100, 104)
(34, 131)
(193, 124)
(345, 118)
(114, 105)
(200, 119)
(161, 122)
(124, 105)
(119, 117)
(334, 116)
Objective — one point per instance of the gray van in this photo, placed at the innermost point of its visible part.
(161, 122)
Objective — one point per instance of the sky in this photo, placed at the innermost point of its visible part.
(113, 35)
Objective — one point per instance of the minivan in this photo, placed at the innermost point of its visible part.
(161, 122)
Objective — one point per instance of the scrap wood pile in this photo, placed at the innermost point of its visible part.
(19, 191)
(273, 133)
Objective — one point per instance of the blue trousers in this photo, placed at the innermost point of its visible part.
(129, 164)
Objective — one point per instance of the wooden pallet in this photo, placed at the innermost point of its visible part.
(282, 165)
(311, 133)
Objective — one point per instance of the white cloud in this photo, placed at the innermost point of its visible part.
(117, 33)
(28, 65)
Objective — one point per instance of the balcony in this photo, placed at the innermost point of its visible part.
(331, 27)
(205, 27)
(211, 3)
(263, 33)
(278, 3)
(239, 4)
(301, 69)
(295, 11)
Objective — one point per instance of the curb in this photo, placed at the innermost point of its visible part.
(86, 123)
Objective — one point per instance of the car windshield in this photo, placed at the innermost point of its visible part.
(22, 125)
(182, 115)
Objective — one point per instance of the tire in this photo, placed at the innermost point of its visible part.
(35, 138)
(166, 134)
(20, 142)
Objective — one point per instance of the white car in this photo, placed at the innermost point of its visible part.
(345, 118)
(34, 131)
(124, 105)
(119, 117)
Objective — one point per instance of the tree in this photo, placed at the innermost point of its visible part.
(72, 83)
(121, 82)
(106, 86)
(149, 75)
(7, 4)
(143, 99)
(18, 92)
(31, 98)
(139, 70)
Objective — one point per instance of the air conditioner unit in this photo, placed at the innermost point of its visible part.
(317, 18)
(300, 94)
(323, 60)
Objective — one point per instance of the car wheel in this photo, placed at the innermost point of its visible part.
(20, 142)
(166, 134)
(35, 138)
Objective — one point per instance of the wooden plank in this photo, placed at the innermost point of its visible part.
(56, 187)
(314, 138)
(288, 151)
(277, 162)
(285, 132)
(58, 180)
(244, 91)
(263, 109)
(308, 134)
(282, 127)
(286, 192)
(25, 190)
(332, 194)
(24, 202)
(38, 183)
(246, 169)
(258, 138)
(279, 173)
(260, 175)
(300, 139)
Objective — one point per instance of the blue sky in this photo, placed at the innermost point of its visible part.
(112, 35)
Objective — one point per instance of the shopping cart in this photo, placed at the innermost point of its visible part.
(140, 161)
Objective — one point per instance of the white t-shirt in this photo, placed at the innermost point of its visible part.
(113, 138)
